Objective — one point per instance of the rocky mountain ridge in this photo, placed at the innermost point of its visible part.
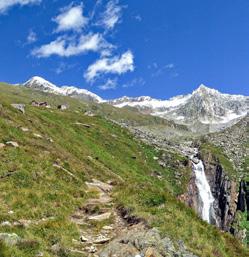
(204, 110)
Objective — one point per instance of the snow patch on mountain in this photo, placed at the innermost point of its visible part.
(41, 84)
(148, 102)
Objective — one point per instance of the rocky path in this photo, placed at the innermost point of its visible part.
(106, 232)
(97, 221)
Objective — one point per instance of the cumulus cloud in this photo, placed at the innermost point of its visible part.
(115, 65)
(110, 84)
(71, 18)
(6, 4)
(66, 47)
(111, 15)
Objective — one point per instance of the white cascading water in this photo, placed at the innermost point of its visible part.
(205, 193)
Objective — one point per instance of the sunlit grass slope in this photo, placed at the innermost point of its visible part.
(33, 188)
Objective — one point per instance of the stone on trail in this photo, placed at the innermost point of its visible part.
(102, 240)
(100, 217)
(83, 239)
(99, 184)
(107, 228)
(92, 249)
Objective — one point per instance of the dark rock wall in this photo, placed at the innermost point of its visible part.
(224, 191)
(243, 198)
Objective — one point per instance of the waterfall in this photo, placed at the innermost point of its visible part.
(205, 194)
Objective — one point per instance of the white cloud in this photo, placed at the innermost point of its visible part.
(115, 65)
(110, 84)
(66, 47)
(71, 18)
(135, 82)
(138, 18)
(111, 15)
(32, 37)
(6, 4)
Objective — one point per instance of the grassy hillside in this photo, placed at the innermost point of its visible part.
(43, 180)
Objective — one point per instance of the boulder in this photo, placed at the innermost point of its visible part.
(10, 239)
(19, 107)
(12, 143)
(62, 107)
(24, 129)
(101, 240)
(37, 135)
(107, 228)
(55, 248)
(2, 145)
(141, 242)
(195, 160)
(92, 249)
(6, 224)
(100, 217)
(83, 124)
(83, 239)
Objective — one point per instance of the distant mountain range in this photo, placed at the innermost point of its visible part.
(204, 109)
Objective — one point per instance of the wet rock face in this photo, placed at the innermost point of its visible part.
(243, 198)
(223, 190)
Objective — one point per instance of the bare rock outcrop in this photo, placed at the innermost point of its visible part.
(139, 241)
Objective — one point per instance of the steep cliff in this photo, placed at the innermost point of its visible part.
(243, 199)
(224, 190)
(240, 226)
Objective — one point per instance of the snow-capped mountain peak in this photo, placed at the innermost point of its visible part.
(41, 84)
(202, 89)
(37, 82)
(204, 106)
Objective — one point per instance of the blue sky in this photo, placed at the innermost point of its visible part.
(159, 48)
